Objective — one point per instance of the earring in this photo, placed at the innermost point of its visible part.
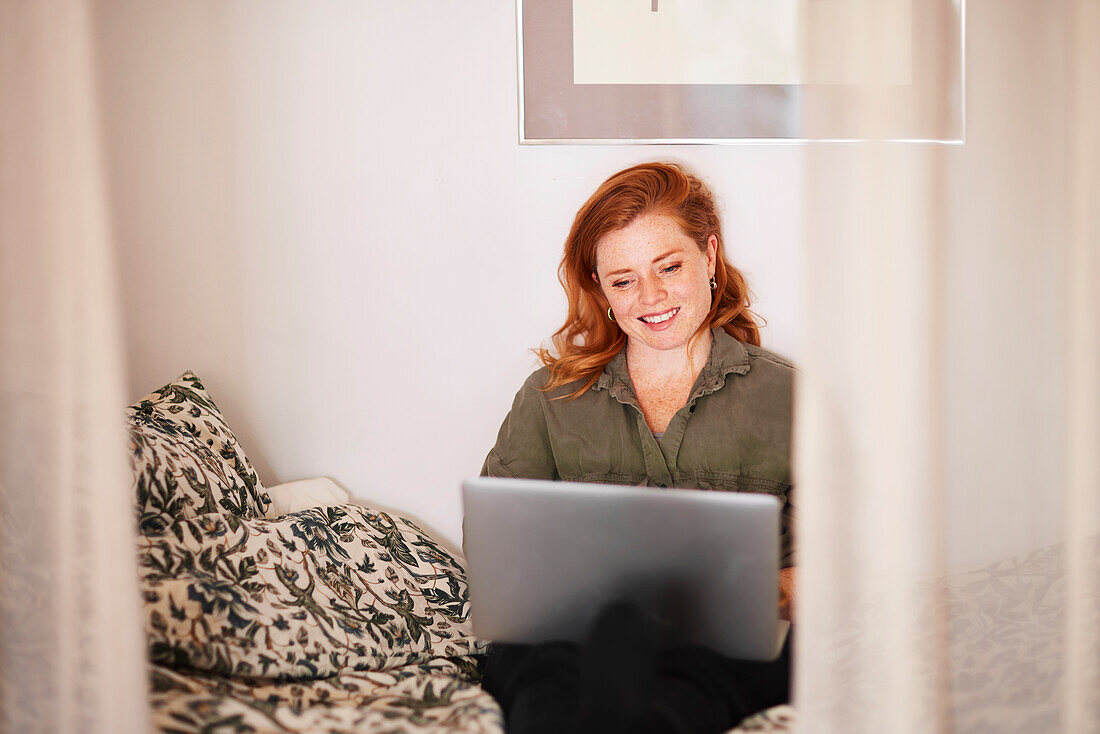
(713, 284)
(609, 314)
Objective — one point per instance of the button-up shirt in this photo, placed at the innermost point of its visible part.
(732, 434)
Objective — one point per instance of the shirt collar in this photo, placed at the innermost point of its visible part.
(727, 355)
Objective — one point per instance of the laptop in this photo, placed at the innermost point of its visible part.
(544, 558)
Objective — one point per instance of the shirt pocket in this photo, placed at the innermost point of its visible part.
(600, 454)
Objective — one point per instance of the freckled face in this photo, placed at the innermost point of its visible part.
(656, 280)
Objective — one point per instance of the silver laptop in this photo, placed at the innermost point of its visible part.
(544, 558)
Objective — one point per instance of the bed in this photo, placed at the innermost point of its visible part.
(332, 618)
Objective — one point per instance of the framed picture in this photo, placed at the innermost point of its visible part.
(699, 71)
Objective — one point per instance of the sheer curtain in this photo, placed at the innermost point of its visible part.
(948, 444)
(71, 651)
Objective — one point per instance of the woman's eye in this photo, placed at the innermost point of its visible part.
(620, 284)
(671, 268)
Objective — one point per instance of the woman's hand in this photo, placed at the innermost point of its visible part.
(786, 594)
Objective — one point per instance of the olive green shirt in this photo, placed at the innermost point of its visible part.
(733, 434)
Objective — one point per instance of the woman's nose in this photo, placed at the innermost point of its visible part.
(652, 290)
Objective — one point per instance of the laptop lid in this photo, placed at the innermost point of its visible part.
(544, 558)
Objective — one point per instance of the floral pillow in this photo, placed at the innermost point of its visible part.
(310, 594)
(186, 460)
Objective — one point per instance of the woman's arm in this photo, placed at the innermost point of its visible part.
(523, 444)
(786, 593)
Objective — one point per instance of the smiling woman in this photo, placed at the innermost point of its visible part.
(656, 280)
(656, 378)
(658, 284)
(623, 232)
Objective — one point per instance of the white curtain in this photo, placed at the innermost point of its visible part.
(71, 650)
(948, 444)
(949, 402)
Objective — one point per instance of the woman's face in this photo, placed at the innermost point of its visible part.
(656, 280)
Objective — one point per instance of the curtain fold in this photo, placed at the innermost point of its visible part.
(1082, 654)
(949, 404)
(71, 648)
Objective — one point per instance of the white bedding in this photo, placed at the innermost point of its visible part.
(304, 494)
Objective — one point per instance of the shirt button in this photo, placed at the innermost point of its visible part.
(691, 408)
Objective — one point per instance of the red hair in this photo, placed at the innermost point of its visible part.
(588, 340)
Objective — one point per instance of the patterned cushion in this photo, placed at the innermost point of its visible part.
(310, 594)
(186, 460)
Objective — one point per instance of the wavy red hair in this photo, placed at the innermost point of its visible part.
(588, 340)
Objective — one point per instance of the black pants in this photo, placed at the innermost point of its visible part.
(629, 677)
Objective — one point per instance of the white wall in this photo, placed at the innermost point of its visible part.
(322, 209)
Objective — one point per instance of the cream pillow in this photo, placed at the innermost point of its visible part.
(304, 494)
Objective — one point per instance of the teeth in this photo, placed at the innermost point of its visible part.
(661, 318)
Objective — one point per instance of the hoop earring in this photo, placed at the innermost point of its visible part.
(713, 284)
(609, 314)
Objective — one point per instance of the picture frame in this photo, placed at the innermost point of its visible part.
(600, 72)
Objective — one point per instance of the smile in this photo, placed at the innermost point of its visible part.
(661, 317)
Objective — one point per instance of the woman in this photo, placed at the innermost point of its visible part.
(656, 378)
